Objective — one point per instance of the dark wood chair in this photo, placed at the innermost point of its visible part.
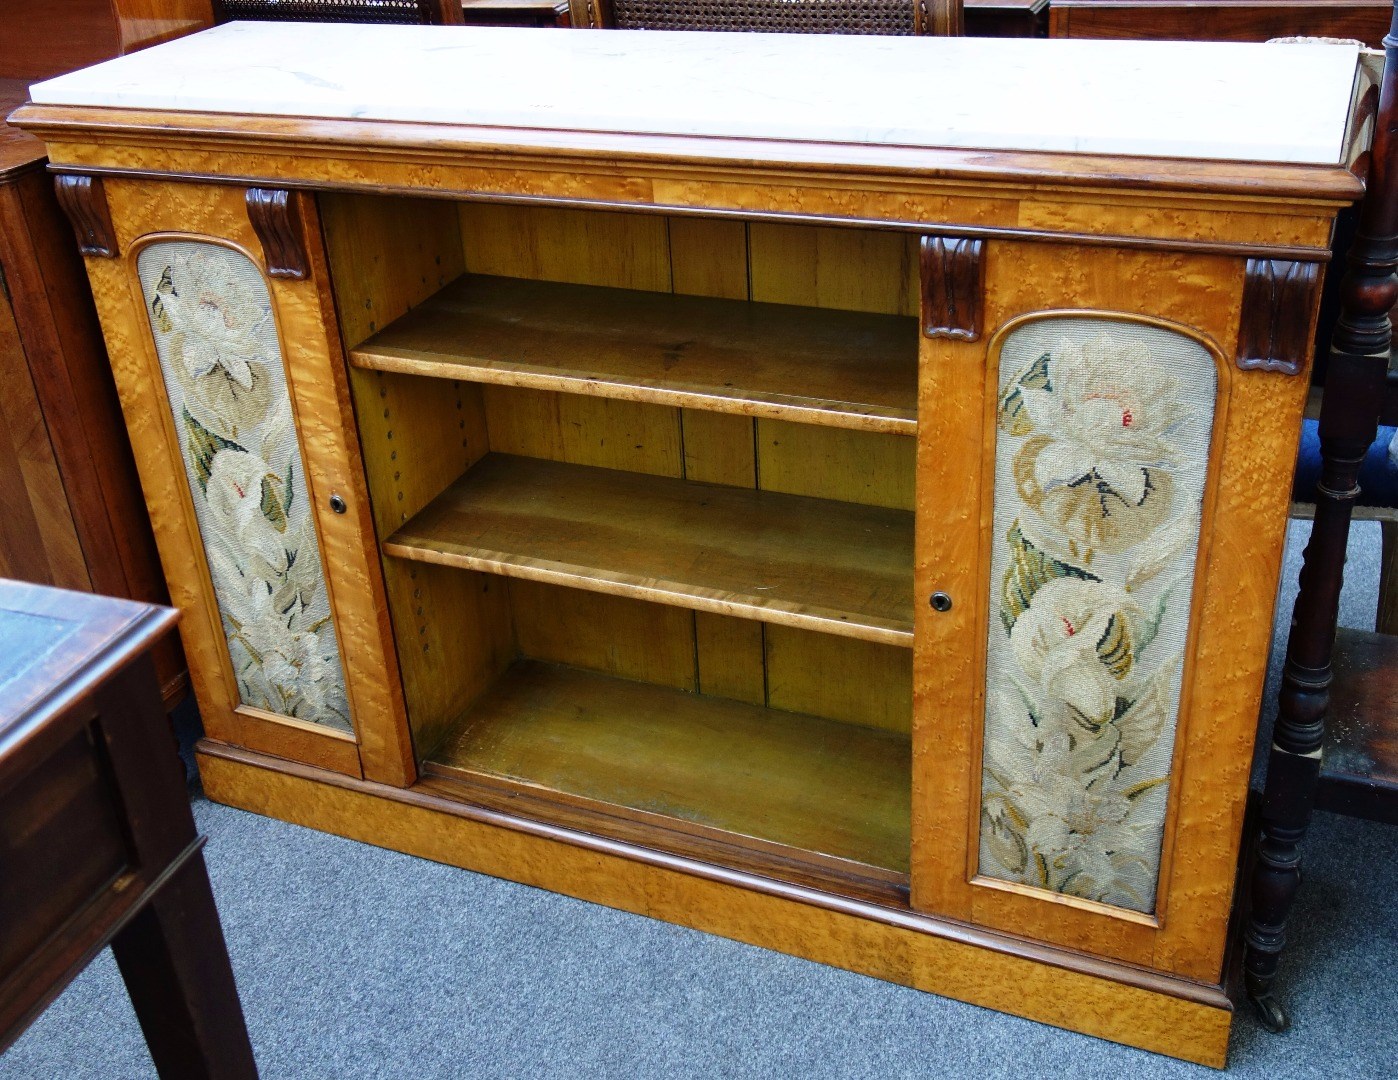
(896, 17)
(1349, 764)
(421, 12)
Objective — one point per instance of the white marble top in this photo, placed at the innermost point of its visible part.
(1206, 101)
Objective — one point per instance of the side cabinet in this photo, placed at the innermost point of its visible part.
(1101, 516)
(213, 300)
(841, 540)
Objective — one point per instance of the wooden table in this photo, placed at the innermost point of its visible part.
(97, 842)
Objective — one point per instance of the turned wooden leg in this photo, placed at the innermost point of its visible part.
(1349, 418)
(1294, 763)
(1348, 425)
(175, 964)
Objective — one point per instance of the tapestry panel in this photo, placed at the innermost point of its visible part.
(211, 316)
(1102, 450)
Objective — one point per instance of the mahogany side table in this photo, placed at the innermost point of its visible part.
(97, 842)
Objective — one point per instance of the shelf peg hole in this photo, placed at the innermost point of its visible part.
(337, 503)
(940, 601)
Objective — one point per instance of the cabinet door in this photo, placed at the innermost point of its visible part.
(233, 385)
(1102, 499)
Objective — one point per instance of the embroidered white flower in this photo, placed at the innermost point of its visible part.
(1081, 837)
(1075, 641)
(1103, 416)
(217, 316)
(239, 485)
(1109, 411)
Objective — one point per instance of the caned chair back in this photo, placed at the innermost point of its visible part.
(898, 17)
(348, 11)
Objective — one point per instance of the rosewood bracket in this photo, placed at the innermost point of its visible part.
(276, 217)
(1274, 328)
(85, 203)
(1349, 417)
(953, 287)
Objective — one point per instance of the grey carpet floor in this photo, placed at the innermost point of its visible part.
(355, 962)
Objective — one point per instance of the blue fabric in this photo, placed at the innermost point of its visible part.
(1378, 476)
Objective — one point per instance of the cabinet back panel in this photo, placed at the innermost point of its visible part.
(613, 635)
(585, 247)
(868, 467)
(386, 256)
(728, 657)
(859, 682)
(610, 434)
(709, 257)
(852, 269)
(855, 269)
(719, 448)
(852, 681)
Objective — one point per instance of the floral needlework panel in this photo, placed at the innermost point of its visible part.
(211, 317)
(1102, 449)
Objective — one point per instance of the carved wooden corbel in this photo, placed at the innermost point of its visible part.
(953, 283)
(276, 217)
(1274, 329)
(85, 203)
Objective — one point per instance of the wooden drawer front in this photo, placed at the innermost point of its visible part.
(1087, 703)
(61, 845)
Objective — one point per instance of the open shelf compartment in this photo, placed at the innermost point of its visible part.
(839, 568)
(781, 779)
(814, 365)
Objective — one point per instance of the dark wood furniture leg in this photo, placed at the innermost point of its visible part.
(98, 844)
(172, 953)
(1349, 419)
(175, 965)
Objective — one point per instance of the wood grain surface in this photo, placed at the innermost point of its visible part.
(321, 405)
(843, 180)
(1254, 441)
(818, 366)
(810, 563)
(798, 781)
(1220, 20)
(1059, 987)
(68, 401)
(1359, 763)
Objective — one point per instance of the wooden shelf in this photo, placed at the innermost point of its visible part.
(838, 368)
(1359, 764)
(797, 782)
(835, 567)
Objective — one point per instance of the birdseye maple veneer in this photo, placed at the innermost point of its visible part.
(828, 492)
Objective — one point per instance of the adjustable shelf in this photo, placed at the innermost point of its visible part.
(835, 368)
(652, 753)
(816, 564)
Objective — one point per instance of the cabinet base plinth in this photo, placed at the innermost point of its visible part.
(1069, 990)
